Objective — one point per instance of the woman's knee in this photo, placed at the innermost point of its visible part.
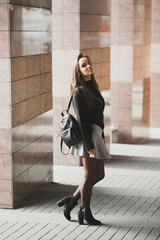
(99, 177)
(89, 169)
(88, 177)
(102, 176)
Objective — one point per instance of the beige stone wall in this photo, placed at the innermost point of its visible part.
(95, 26)
(31, 87)
(26, 153)
(155, 68)
(78, 26)
(130, 68)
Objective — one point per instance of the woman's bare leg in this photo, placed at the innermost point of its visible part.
(98, 176)
(86, 187)
(94, 172)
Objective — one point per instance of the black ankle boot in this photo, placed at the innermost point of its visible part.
(85, 213)
(69, 203)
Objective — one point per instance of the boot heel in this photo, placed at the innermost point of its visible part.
(81, 216)
(81, 220)
(64, 201)
(69, 203)
(61, 203)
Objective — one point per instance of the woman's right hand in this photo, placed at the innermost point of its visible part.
(92, 151)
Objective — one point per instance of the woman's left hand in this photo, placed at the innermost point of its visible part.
(92, 151)
(105, 140)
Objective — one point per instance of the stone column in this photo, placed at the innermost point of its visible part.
(26, 157)
(130, 54)
(155, 69)
(78, 26)
(95, 29)
(65, 48)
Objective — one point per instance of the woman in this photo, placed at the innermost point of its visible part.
(89, 106)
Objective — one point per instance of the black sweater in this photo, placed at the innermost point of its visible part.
(85, 117)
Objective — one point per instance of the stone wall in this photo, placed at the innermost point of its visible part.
(78, 26)
(26, 154)
(130, 63)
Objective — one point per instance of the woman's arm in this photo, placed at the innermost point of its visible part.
(83, 119)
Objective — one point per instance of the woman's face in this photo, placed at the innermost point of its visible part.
(85, 67)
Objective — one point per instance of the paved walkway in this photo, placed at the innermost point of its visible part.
(127, 202)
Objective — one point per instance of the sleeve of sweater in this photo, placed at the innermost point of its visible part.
(103, 134)
(83, 120)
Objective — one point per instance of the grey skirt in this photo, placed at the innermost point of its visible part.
(101, 151)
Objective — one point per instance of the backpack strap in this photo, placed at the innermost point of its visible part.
(69, 104)
(61, 148)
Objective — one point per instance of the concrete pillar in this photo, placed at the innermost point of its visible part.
(26, 157)
(130, 62)
(155, 67)
(78, 26)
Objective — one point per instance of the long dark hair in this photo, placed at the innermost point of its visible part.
(78, 81)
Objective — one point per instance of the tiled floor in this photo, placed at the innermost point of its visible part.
(127, 202)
